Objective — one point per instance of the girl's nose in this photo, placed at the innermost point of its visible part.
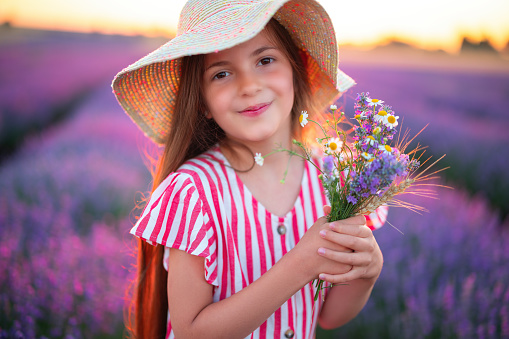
(249, 84)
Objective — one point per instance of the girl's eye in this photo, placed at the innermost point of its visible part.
(266, 61)
(221, 75)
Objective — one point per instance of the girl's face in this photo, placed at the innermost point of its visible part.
(249, 91)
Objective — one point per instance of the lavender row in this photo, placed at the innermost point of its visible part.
(446, 277)
(467, 118)
(65, 210)
(44, 76)
(62, 284)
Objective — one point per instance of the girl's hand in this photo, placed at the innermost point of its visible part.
(365, 257)
(309, 259)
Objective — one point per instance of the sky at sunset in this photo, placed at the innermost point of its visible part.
(428, 24)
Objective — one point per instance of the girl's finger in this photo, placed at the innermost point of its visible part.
(354, 274)
(349, 241)
(357, 220)
(355, 230)
(347, 258)
(326, 209)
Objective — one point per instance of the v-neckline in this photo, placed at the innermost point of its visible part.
(297, 201)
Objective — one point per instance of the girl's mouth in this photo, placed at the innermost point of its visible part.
(254, 111)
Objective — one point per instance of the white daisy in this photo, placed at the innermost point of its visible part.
(385, 148)
(391, 121)
(333, 107)
(374, 102)
(333, 146)
(303, 119)
(381, 116)
(362, 115)
(370, 140)
(367, 156)
(258, 159)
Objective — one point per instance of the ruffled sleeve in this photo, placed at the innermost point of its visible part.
(174, 217)
(376, 219)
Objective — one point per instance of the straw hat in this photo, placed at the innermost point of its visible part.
(147, 89)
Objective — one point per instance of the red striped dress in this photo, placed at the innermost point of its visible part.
(205, 210)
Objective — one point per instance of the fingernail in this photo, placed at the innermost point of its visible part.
(323, 233)
(321, 251)
(331, 226)
(321, 276)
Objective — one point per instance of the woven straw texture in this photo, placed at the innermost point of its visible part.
(146, 90)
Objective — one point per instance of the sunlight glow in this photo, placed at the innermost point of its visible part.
(431, 24)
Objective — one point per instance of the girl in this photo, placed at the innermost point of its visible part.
(225, 250)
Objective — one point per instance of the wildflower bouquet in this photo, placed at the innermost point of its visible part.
(365, 173)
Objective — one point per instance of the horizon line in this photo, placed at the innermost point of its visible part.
(482, 44)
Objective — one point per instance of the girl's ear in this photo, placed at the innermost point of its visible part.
(208, 115)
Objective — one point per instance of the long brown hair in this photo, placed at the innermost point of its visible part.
(192, 134)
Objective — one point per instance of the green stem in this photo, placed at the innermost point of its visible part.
(266, 155)
(321, 127)
(286, 171)
(307, 158)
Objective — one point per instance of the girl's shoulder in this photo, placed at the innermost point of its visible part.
(196, 171)
(203, 166)
(208, 160)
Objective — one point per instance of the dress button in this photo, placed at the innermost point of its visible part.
(281, 229)
(289, 333)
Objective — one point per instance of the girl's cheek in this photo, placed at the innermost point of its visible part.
(219, 100)
(283, 80)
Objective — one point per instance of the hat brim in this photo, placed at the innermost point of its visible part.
(147, 89)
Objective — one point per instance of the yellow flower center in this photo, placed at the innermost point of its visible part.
(376, 131)
(357, 116)
(375, 100)
(333, 146)
(382, 113)
(391, 119)
(388, 148)
(370, 160)
(370, 137)
(301, 118)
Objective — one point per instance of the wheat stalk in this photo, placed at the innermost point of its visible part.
(376, 201)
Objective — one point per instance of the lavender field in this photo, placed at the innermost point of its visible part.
(72, 171)
(467, 116)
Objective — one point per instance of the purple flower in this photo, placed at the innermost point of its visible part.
(64, 198)
(351, 199)
(377, 175)
(328, 164)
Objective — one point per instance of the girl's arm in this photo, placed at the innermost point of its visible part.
(348, 298)
(194, 315)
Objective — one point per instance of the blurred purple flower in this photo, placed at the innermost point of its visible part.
(445, 277)
(474, 103)
(64, 212)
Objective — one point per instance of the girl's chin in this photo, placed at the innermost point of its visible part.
(262, 141)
